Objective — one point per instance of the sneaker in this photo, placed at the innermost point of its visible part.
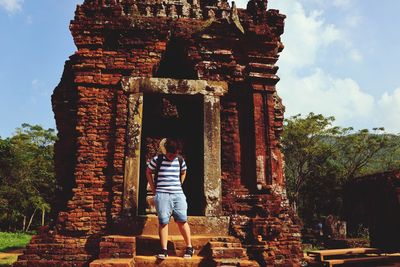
(189, 252)
(162, 255)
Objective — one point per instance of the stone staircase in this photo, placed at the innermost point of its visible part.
(211, 249)
(129, 251)
(228, 251)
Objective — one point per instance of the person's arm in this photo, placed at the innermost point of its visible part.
(183, 171)
(183, 176)
(149, 176)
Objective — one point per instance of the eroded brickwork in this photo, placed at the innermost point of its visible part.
(373, 201)
(206, 40)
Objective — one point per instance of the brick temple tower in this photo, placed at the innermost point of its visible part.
(201, 71)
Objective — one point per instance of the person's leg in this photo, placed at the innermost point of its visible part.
(179, 212)
(180, 216)
(185, 232)
(163, 233)
(164, 210)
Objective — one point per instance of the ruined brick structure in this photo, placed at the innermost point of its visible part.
(374, 202)
(201, 71)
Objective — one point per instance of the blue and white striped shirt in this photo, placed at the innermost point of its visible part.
(168, 180)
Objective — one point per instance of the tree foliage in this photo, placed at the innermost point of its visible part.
(27, 179)
(321, 158)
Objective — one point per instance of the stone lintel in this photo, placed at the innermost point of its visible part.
(173, 86)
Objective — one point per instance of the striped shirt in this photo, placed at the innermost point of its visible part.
(168, 180)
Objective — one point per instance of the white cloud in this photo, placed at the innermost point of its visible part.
(342, 3)
(305, 85)
(330, 34)
(305, 34)
(39, 88)
(306, 37)
(11, 6)
(353, 20)
(341, 98)
(35, 82)
(29, 19)
(388, 111)
(356, 55)
(321, 93)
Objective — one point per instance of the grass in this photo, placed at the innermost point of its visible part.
(10, 241)
(308, 247)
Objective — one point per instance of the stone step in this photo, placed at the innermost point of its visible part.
(228, 253)
(117, 246)
(235, 262)
(210, 250)
(196, 261)
(171, 261)
(113, 263)
(148, 245)
(218, 244)
(199, 225)
(227, 238)
(230, 248)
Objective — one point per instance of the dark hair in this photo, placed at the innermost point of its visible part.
(171, 146)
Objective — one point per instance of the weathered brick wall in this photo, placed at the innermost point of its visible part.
(91, 112)
(64, 102)
(106, 52)
(374, 202)
(52, 250)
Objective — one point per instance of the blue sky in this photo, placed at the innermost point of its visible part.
(341, 58)
(35, 43)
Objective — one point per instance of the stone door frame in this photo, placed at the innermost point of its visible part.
(211, 91)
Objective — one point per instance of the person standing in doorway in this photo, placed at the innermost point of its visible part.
(169, 171)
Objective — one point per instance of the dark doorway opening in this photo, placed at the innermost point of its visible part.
(179, 117)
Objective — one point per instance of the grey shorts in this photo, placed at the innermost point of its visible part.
(168, 204)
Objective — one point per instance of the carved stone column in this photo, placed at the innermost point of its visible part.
(260, 138)
(132, 160)
(212, 156)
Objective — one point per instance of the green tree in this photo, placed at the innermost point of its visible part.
(361, 151)
(26, 175)
(321, 158)
(308, 146)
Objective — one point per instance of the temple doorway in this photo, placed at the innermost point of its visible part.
(180, 117)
